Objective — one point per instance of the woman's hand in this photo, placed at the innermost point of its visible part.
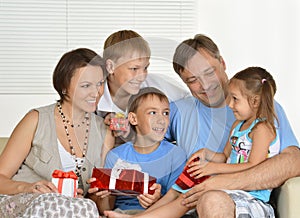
(42, 186)
(79, 193)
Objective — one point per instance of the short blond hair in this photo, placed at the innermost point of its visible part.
(125, 42)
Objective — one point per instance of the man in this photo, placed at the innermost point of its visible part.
(204, 120)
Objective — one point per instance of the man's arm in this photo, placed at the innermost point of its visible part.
(269, 174)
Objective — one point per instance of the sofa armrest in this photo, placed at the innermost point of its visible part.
(286, 199)
(3, 141)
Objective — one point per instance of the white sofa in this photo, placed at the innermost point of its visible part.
(285, 199)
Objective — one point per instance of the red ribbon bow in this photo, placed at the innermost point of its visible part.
(62, 174)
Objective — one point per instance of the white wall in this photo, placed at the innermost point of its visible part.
(262, 33)
(248, 33)
(14, 107)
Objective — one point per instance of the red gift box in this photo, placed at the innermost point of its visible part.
(120, 124)
(130, 182)
(185, 181)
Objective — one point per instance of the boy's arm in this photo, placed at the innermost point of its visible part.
(170, 196)
(109, 143)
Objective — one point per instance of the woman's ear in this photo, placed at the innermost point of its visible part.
(132, 118)
(110, 66)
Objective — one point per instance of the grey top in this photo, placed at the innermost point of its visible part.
(43, 157)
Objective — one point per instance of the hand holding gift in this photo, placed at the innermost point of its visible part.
(66, 182)
(186, 181)
(119, 122)
(146, 200)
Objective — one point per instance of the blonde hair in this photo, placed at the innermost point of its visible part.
(125, 42)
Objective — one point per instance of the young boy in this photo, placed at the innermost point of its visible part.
(127, 56)
(148, 115)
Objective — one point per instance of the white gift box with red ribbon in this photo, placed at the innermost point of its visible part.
(66, 182)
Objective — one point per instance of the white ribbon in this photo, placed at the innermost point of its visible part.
(146, 183)
(117, 169)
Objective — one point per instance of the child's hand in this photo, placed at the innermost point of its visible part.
(122, 133)
(201, 154)
(146, 200)
(118, 124)
(95, 191)
(203, 168)
(108, 117)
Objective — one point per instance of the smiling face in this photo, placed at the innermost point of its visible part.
(127, 74)
(85, 87)
(151, 120)
(206, 78)
(239, 102)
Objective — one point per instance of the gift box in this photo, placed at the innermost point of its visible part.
(185, 181)
(129, 181)
(119, 122)
(65, 182)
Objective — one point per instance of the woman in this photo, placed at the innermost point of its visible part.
(66, 136)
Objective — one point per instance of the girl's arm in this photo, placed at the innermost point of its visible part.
(13, 155)
(205, 154)
(208, 155)
(262, 136)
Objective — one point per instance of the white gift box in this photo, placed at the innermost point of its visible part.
(66, 186)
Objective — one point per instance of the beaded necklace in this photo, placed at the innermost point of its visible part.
(85, 143)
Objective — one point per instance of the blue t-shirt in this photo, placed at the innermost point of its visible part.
(193, 126)
(165, 164)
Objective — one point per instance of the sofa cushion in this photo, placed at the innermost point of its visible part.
(286, 199)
